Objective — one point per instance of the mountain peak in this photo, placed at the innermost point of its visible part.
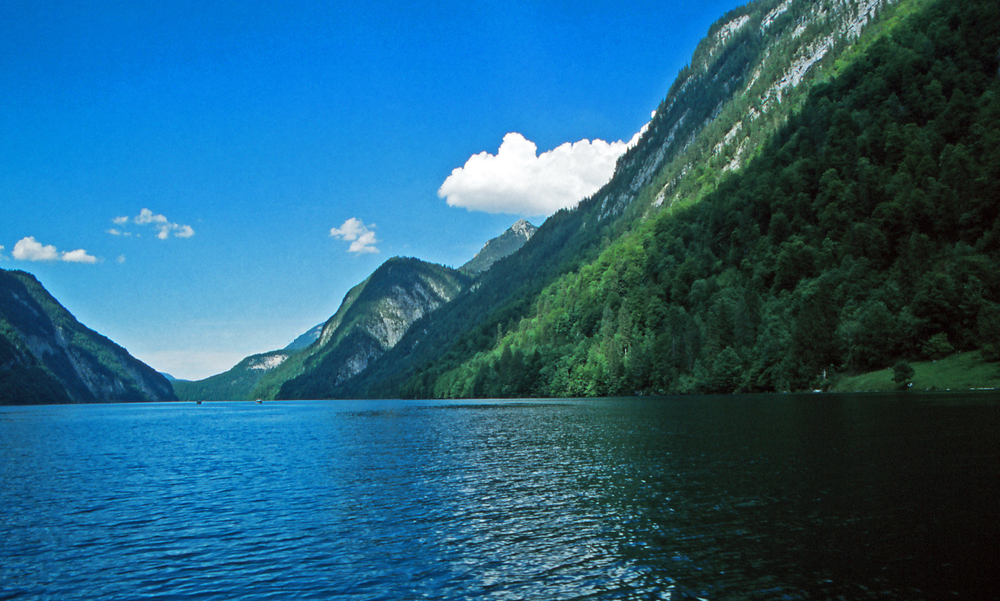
(497, 248)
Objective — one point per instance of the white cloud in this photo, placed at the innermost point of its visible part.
(78, 256)
(361, 236)
(120, 259)
(147, 216)
(29, 249)
(163, 226)
(518, 180)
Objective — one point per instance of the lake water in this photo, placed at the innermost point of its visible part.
(757, 497)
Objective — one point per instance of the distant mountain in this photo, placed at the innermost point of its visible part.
(306, 339)
(373, 317)
(47, 356)
(237, 384)
(502, 246)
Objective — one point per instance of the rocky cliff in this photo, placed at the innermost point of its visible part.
(502, 246)
(372, 318)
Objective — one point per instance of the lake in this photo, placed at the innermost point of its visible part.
(740, 497)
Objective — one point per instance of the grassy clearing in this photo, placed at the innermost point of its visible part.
(961, 371)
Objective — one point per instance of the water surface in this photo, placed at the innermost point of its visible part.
(763, 497)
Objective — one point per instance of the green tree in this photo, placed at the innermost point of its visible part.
(902, 375)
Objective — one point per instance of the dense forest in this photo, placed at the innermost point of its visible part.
(863, 232)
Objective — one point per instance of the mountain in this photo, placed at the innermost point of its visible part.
(241, 381)
(47, 356)
(813, 197)
(236, 384)
(309, 337)
(497, 248)
(372, 318)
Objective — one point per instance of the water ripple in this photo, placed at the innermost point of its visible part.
(556, 500)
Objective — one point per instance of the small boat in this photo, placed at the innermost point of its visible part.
(197, 402)
(258, 401)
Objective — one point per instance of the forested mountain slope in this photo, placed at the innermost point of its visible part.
(47, 356)
(235, 384)
(865, 230)
(752, 71)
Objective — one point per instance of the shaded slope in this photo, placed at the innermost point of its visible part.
(47, 356)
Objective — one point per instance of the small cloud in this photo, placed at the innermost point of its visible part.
(120, 259)
(361, 236)
(29, 249)
(163, 226)
(147, 216)
(518, 180)
(78, 256)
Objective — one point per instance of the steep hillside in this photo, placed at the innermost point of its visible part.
(866, 230)
(502, 246)
(47, 356)
(373, 317)
(749, 74)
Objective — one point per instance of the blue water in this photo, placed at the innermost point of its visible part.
(778, 497)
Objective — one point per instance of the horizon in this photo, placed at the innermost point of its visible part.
(202, 183)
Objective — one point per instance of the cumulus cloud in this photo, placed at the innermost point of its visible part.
(29, 249)
(78, 256)
(163, 226)
(361, 236)
(518, 180)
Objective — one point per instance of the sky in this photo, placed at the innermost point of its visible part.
(202, 181)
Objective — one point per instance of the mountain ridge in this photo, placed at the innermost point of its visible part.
(502, 246)
(248, 379)
(860, 234)
(674, 164)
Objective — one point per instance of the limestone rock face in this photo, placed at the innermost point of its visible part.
(372, 319)
(502, 246)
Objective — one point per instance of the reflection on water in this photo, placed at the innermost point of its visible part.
(793, 497)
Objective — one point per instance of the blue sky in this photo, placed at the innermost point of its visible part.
(201, 181)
